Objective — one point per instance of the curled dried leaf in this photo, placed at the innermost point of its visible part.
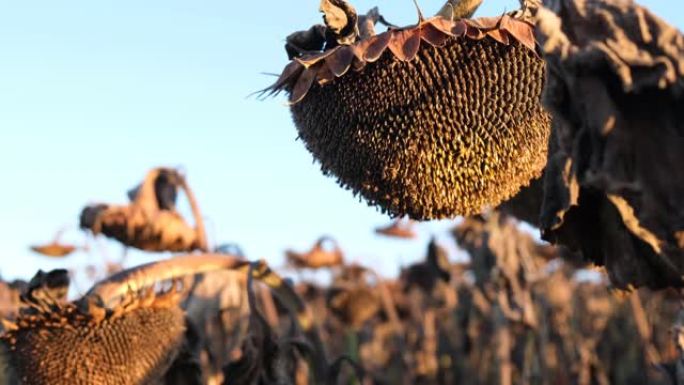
(341, 20)
(302, 42)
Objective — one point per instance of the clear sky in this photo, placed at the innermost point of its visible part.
(94, 93)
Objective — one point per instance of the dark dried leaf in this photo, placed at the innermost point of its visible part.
(371, 50)
(304, 83)
(302, 42)
(340, 61)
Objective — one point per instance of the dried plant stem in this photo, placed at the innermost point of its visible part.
(504, 347)
(644, 329)
(112, 288)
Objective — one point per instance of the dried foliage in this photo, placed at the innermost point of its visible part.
(150, 222)
(55, 248)
(615, 89)
(398, 229)
(324, 253)
(514, 314)
(384, 115)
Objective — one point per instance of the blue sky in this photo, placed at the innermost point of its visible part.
(94, 93)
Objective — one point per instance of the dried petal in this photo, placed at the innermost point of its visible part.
(376, 47)
(290, 73)
(442, 24)
(341, 60)
(300, 42)
(54, 250)
(341, 20)
(404, 44)
(459, 29)
(433, 35)
(324, 75)
(475, 33)
(309, 60)
(499, 35)
(484, 22)
(520, 30)
(304, 83)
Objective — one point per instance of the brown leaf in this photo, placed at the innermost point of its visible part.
(434, 36)
(318, 257)
(324, 75)
(335, 17)
(341, 60)
(520, 30)
(398, 229)
(290, 73)
(404, 44)
(304, 83)
(499, 35)
(373, 49)
(442, 24)
(459, 29)
(54, 249)
(301, 42)
(309, 60)
(475, 33)
(341, 20)
(484, 22)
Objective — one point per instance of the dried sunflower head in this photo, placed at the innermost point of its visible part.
(150, 222)
(431, 121)
(324, 253)
(122, 332)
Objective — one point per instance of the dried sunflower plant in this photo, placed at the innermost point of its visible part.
(450, 116)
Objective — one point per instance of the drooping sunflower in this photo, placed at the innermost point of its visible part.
(434, 120)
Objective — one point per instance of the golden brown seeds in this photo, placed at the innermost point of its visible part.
(135, 348)
(455, 130)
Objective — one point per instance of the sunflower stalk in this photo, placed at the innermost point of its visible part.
(459, 9)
